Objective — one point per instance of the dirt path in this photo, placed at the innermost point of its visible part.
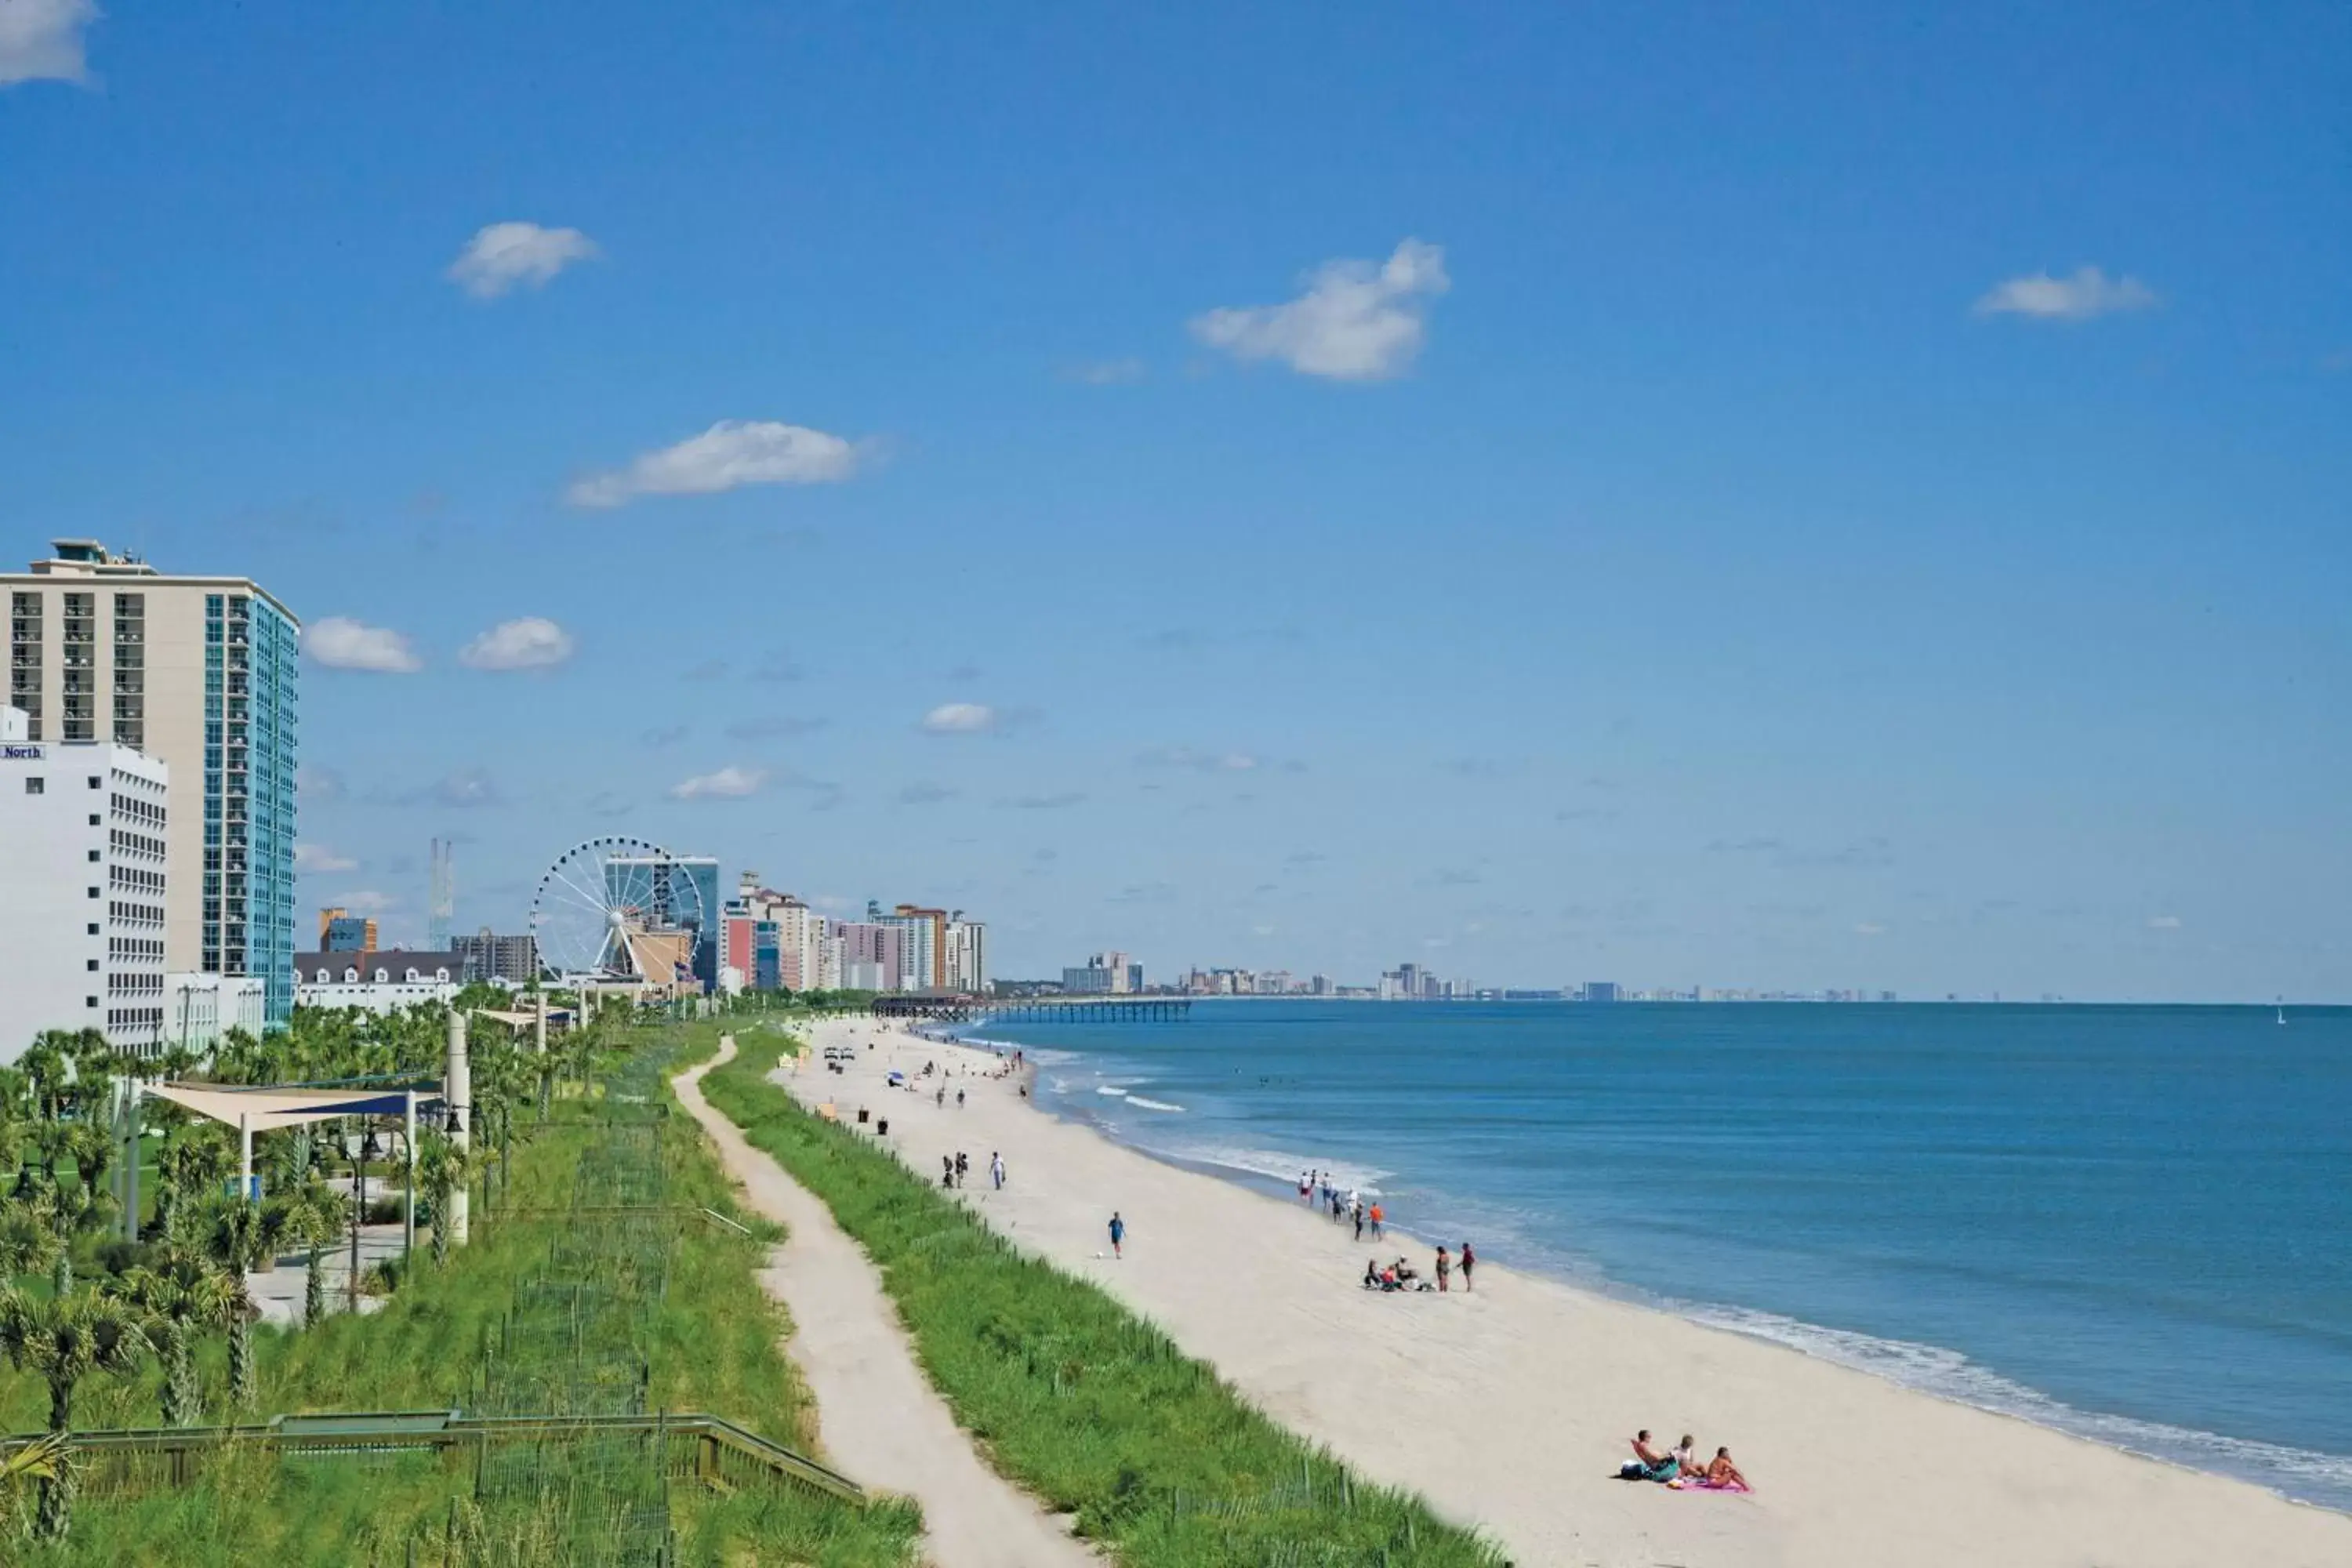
(882, 1422)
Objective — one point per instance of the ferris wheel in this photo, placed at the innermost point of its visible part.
(618, 907)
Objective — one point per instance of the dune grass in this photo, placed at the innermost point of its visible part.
(1092, 1409)
(712, 1345)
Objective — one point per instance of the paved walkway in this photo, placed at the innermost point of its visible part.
(880, 1420)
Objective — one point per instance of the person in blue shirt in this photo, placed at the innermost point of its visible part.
(1118, 1234)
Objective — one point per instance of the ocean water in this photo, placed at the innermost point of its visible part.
(2131, 1223)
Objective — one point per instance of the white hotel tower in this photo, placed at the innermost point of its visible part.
(82, 830)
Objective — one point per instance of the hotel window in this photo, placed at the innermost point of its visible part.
(24, 621)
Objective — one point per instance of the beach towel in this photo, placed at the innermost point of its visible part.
(1700, 1484)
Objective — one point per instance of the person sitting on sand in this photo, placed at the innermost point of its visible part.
(1371, 1275)
(1685, 1461)
(1647, 1464)
(1723, 1475)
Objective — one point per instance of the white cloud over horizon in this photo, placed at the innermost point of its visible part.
(40, 40)
(1358, 320)
(318, 858)
(1205, 761)
(960, 719)
(528, 642)
(339, 642)
(501, 256)
(730, 455)
(2089, 292)
(730, 782)
(1106, 372)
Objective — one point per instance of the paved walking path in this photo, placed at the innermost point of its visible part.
(881, 1421)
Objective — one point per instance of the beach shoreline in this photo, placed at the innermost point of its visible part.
(1510, 1408)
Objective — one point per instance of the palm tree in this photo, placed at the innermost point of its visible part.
(316, 1214)
(62, 1340)
(238, 1235)
(26, 1239)
(44, 1066)
(43, 1459)
(191, 1165)
(444, 1167)
(90, 1148)
(184, 1295)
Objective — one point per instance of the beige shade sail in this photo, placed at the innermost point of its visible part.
(266, 1110)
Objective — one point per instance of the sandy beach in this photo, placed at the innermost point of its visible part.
(1511, 1408)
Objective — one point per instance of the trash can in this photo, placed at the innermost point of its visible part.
(882, 1128)
(861, 1118)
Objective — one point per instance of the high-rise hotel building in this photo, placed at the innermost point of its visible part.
(201, 673)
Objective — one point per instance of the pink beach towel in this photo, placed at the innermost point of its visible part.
(1687, 1484)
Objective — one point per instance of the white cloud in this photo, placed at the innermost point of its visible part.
(1206, 762)
(340, 643)
(728, 783)
(1357, 321)
(1870, 928)
(40, 40)
(316, 856)
(1106, 372)
(528, 642)
(366, 901)
(501, 254)
(960, 719)
(2164, 923)
(730, 454)
(2089, 292)
(316, 785)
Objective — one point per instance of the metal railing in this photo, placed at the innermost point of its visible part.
(691, 1443)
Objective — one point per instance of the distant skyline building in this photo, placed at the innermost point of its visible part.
(83, 834)
(489, 956)
(339, 930)
(965, 944)
(201, 673)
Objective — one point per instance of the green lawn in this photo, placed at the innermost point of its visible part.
(712, 1343)
(1089, 1407)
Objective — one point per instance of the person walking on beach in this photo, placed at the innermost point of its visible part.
(1118, 1234)
(1444, 1270)
(946, 1170)
(996, 1173)
(1376, 1219)
(959, 1100)
(1359, 1222)
(1468, 1258)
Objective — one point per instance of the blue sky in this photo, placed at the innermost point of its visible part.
(1854, 496)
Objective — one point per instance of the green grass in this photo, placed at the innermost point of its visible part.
(1092, 1409)
(712, 1345)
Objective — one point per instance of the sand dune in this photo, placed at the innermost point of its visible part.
(1510, 1408)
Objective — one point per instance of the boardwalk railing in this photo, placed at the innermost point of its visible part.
(691, 1443)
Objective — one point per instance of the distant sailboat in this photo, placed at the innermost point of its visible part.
(2281, 1015)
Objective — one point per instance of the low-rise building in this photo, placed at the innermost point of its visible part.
(381, 982)
(198, 1008)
